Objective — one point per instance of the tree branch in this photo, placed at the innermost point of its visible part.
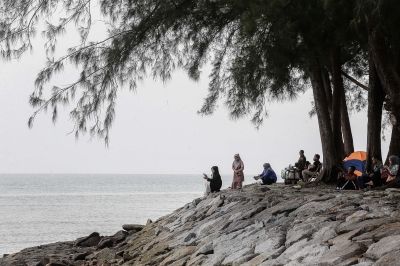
(354, 81)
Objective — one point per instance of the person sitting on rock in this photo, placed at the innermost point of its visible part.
(267, 177)
(347, 181)
(362, 180)
(311, 168)
(214, 183)
(393, 168)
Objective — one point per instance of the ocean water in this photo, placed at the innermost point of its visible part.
(46, 208)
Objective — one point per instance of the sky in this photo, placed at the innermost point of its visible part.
(156, 131)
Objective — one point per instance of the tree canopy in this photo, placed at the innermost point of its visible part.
(260, 51)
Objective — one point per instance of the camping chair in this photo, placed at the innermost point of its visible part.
(314, 177)
(352, 182)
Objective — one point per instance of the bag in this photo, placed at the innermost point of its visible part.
(390, 178)
(384, 173)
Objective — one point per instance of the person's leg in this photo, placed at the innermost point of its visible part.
(360, 180)
(305, 175)
(340, 182)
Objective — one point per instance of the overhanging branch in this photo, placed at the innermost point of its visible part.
(354, 81)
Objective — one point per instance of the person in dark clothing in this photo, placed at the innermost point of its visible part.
(267, 177)
(374, 174)
(392, 169)
(347, 181)
(215, 182)
(301, 163)
(311, 168)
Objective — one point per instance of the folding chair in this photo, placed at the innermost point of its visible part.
(352, 182)
(314, 177)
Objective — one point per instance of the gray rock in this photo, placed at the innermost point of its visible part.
(342, 252)
(129, 227)
(386, 245)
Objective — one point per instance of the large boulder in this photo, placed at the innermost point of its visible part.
(88, 241)
(130, 227)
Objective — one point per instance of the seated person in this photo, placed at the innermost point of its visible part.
(347, 181)
(311, 168)
(393, 169)
(301, 163)
(267, 177)
(361, 180)
(214, 183)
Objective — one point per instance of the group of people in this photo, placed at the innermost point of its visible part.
(214, 183)
(379, 175)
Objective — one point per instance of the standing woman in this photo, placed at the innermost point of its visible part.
(238, 175)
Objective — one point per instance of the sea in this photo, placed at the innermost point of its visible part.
(38, 209)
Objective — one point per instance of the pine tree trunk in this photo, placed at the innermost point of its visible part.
(386, 70)
(394, 147)
(376, 96)
(338, 92)
(346, 128)
(328, 89)
(330, 160)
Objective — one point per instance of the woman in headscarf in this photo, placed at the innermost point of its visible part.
(393, 169)
(238, 175)
(214, 183)
(267, 177)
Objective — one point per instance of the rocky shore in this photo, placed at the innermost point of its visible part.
(275, 225)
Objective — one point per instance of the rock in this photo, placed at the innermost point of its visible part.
(267, 255)
(88, 241)
(105, 254)
(178, 254)
(344, 237)
(189, 237)
(381, 232)
(80, 256)
(237, 255)
(341, 252)
(357, 216)
(149, 222)
(130, 227)
(119, 236)
(391, 258)
(105, 243)
(389, 244)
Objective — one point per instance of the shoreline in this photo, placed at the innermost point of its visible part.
(258, 225)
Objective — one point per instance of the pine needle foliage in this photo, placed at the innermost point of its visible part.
(253, 47)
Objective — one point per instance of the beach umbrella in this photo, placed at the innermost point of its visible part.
(357, 159)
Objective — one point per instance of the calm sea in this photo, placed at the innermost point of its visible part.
(46, 208)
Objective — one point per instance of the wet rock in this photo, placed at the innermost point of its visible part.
(130, 227)
(105, 243)
(89, 241)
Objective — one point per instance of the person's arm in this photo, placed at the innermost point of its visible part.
(263, 174)
(241, 166)
(394, 170)
(267, 174)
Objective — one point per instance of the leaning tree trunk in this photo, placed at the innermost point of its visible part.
(346, 128)
(376, 96)
(330, 161)
(338, 92)
(386, 70)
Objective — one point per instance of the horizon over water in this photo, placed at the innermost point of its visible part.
(39, 209)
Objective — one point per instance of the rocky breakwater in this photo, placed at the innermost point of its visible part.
(276, 225)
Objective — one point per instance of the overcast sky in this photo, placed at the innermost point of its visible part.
(157, 129)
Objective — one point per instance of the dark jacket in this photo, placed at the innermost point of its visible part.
(216, 181)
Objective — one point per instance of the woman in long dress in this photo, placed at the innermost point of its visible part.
(238, 175)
